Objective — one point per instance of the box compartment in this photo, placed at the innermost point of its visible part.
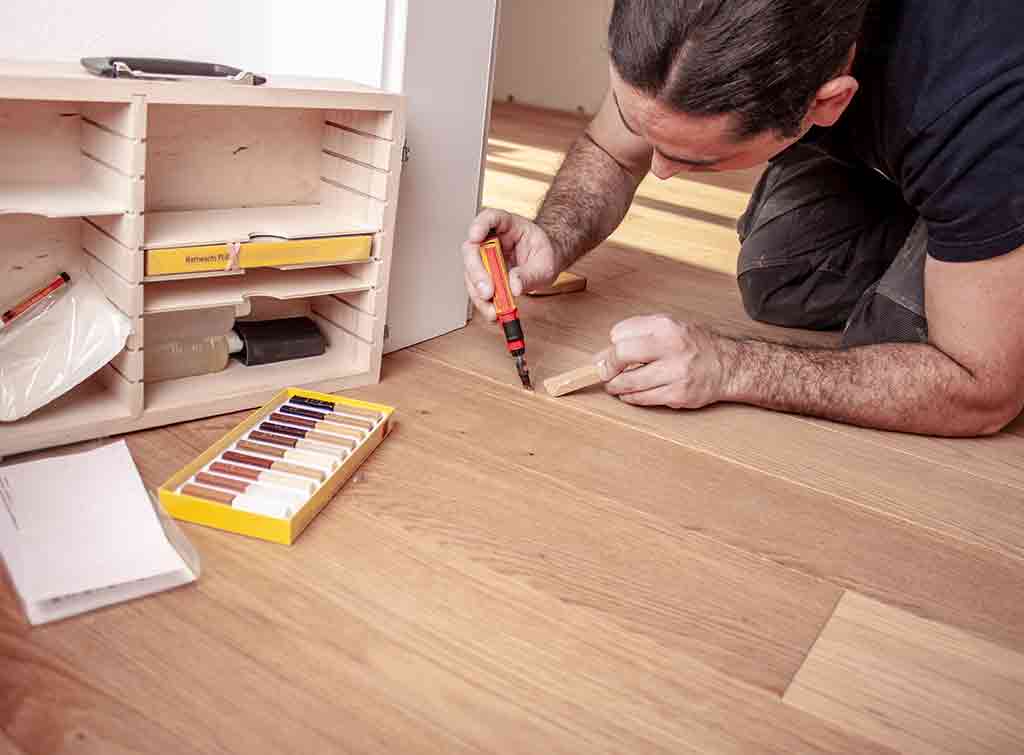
(68, 159)
(348, 355)
(223, 175)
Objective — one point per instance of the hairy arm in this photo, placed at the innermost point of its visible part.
(968, 380)
(905, 387)
(594, 187)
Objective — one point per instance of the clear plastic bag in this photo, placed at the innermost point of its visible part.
(61, 342)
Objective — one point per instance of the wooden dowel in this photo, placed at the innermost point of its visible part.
(576, 380)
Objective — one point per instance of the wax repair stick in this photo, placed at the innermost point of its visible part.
(240, 501)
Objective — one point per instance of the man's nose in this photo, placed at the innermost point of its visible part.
(665, 169)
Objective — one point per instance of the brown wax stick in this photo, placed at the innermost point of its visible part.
(222, 482)
(217, 496)
(233, 469)
(255, 475)
(303, 446)
(350, 425)
(341, 430)
(246, 459)
(277, 466)
(260, 448)
(353, 424)
(240, 486)
(296, 432)
(332, 406)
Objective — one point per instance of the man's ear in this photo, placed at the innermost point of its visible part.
(831, 101)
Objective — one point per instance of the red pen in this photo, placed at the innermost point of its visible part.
(20, 309)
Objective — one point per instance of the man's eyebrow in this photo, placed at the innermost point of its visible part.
(688, 161)
(671, 158)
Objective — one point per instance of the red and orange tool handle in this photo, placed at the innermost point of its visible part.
(504, 302)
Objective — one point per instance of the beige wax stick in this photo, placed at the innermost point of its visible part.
(576, 380)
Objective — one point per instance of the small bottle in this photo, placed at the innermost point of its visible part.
(191, 325)
(181, 359)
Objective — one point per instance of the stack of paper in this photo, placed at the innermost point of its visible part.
(80, 532)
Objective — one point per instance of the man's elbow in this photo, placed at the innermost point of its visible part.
(996, 410)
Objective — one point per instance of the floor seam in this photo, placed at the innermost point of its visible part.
(813, 645)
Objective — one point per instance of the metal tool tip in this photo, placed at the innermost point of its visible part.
(524, 373)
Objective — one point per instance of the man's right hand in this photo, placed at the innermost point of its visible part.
(528, 253)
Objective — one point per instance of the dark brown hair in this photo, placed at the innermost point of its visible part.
(762, 60)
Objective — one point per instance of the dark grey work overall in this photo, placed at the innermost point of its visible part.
(828, 245)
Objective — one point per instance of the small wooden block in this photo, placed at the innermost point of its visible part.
(576, 380)
(566, 283)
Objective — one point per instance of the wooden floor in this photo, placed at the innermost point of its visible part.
(512, 573)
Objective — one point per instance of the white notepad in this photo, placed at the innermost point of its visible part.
(80, 532)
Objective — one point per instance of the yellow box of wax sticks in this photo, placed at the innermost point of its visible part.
(273, 473)
(254, 254)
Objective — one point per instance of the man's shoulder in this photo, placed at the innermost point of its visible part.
(938, 55)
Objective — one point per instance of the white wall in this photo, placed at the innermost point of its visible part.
(331, 38)
(553, 54)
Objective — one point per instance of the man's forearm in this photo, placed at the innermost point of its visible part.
(904, 387)
(587, 201)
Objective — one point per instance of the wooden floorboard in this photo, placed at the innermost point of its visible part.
(999, 459)
(543, 500)
(514, 573)
(914, 685)
(567, 332)
(776, 517)
(49, 704)
(597, 546)
(372, 638)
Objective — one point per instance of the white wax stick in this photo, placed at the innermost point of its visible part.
(296, 483)
(321, 461)
(266, 507)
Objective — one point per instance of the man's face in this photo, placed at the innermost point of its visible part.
(686, 143)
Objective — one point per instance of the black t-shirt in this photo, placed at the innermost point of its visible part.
(941, 113)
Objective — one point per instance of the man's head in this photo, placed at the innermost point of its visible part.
(725, 84)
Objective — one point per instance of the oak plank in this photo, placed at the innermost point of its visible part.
(561, 334)
(740, 613)
(751, 506)
(367, 637)
(50, 705)
(914, 685)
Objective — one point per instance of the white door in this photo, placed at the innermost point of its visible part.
(446, 74)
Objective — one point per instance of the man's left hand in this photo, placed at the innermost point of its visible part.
(657, 361)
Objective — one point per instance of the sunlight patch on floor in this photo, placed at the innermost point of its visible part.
(683, 219)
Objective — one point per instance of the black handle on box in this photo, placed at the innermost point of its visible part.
(166, 68)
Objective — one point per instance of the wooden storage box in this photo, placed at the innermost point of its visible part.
(100, 172)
